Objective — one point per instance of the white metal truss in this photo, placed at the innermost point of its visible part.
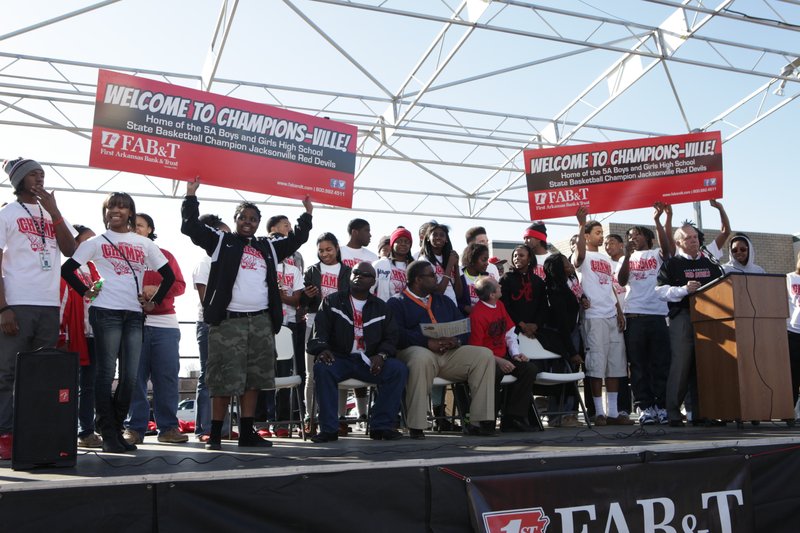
(444, 141)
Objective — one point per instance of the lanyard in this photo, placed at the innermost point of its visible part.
(424, 305)
(40, 230)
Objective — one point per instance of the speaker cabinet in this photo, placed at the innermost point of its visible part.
(45, 409)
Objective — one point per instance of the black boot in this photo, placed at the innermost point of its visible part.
(111, 442)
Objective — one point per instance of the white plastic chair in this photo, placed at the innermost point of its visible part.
(534, 350)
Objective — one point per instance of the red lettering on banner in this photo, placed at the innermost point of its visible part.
(517, 521)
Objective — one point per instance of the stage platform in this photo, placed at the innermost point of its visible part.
(302, 486)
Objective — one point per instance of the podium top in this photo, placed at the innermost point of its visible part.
(740, 295)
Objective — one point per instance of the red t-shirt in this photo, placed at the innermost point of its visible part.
(489, 326)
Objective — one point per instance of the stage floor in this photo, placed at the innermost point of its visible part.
(155, 462)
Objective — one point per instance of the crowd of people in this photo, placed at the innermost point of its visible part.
(617, 306)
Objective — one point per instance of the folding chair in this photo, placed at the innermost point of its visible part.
(284, 346)
(347, 384)
(534, 350)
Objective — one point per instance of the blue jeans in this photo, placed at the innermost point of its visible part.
(117, 335)
(648, 347)
(202, 417)
(86, 378)
(391, 383)
(160, 363)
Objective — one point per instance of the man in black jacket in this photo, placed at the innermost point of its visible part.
(354, 336)
(242, 306)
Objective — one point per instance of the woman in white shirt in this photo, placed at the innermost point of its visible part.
(121, 258)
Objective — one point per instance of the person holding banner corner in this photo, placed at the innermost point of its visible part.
(242, 306)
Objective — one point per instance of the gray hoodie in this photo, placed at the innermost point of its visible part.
(735, 266)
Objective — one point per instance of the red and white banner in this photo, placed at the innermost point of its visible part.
(711, 494)
(615, 176)
(159, 129)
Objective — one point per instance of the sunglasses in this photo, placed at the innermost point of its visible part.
(363, 274)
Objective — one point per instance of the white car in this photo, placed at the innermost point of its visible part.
(187, 409)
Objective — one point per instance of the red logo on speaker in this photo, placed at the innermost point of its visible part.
(63, 395)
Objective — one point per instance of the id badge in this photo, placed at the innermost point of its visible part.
(44, 258)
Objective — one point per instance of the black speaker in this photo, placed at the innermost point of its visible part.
(45, 409)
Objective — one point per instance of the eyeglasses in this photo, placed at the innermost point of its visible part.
(363, 274)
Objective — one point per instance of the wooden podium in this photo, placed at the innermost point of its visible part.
(742, 348)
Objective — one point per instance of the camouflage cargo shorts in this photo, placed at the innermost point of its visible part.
(241, 356)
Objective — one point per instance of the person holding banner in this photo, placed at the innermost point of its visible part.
(603, 322)
(646, 332)
(690, 268)
(242, 306)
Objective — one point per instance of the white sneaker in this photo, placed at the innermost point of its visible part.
(661, 414)
(647, 417)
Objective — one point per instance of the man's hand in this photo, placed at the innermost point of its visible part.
(620, 322)
(192, 186)
(715, 204)
(311, 291)
(375, 365)
(585, 302)
(146, 303)
(8, 322)
(326, 356)
(504, 365)
(442, 345)
(308, 205)
(659, 209)
(521, 358)
(692, 286)
(630, 247)
(46, 199)
(581, 215)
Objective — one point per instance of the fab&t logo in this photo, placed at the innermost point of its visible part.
(517, 521)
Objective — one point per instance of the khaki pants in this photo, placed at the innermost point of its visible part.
(473, 364)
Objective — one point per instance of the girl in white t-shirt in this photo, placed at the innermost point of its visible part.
(320, 280)
(390, 271)
(121, 258)
(438, 251)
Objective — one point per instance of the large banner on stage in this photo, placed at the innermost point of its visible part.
(622, 175)
(155, 128)
(710, 494)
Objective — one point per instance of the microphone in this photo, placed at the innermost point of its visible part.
(711, 257)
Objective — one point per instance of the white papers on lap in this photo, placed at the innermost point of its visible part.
(446, 329)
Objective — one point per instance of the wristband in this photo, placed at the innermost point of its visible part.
(4, 309)
(58, 221)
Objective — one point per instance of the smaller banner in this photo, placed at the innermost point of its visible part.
(709, 495)
(149, 127)
(615, 176)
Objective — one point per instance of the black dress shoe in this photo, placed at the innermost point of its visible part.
(417, 434)
(125, 444)
(676, 423)
(253, 441)
(514, 425)
(324, 436)
(385, 434)
(212, 444)
(485, 429)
